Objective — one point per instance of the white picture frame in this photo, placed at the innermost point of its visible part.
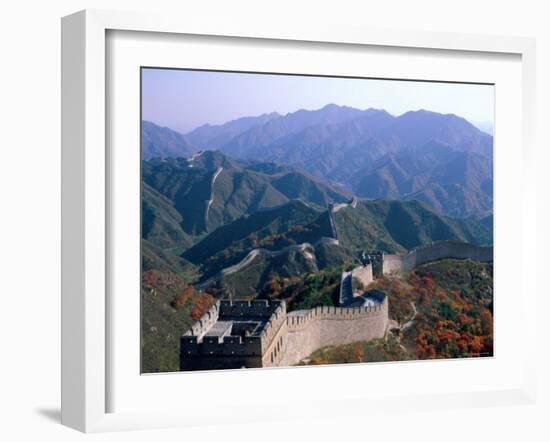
(86, 316)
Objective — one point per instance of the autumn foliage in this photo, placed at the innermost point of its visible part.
(456, 319)
(155, 279)
(186, 293)
(306, 291)
(201, 304)
(454, 316)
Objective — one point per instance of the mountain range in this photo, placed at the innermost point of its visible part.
(216, 136)
(455, 183)
(162, 142)
(193, 196)
(296, 239)
(297, 209)
(265, 185)
(280, 205)
(398, 226)
(436, 158)
(211, 212)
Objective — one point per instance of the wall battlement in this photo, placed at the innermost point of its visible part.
(227, 346)
(260, 333)
(300, 318)
(284, 339)
(363, 275)
(258, 307)
(354, 283)
(206, 321)
(434, 252)
(339, 206)
(245, 330)
(310, 330)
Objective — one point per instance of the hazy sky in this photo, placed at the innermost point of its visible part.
(184, 100)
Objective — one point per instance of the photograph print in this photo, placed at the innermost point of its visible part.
(295, 220)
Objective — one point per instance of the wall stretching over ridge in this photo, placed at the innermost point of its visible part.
(363, 274)
(310, 330)
(434, 252)
(285, 340)
(254, 253)
(333, 208)
(348, 290)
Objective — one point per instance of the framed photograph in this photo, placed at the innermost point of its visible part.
(250, 208)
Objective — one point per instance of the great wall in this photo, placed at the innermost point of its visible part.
(306, 248)
(333, 208)
(362, 274)
(303, 248)
(260, 333)
(309, 330)
(236, 334)
(209, 201)
(254, 253)
(418, 256)
(434, 252)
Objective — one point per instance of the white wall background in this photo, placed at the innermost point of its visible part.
(30, 214)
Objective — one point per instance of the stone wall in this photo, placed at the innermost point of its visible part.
(354, 283)
(214, 352)
(363, 275)
(339, 206)
(204, 352)
(335, 207)
(346, 294)
(434, 252)
(206, 321)
(286, 338)
(274, 347)
(310, 330)
(258, 307)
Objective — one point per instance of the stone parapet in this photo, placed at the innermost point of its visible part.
(310, 330)
(434, 252)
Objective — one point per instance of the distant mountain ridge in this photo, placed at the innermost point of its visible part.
(457, 183)
(252, 142)
(215, 136)
(370, 152)
(162, 142)
(397, 226)
(208, 190)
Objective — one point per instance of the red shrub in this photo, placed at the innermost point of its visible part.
(201, 304)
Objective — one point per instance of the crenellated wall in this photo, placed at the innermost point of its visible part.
(339, 206)
(198, 351)
(434, 252)
(353, 283)
(206, 321)
(310, 330)
(257, 307)
(363, 274)
(285, 338)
